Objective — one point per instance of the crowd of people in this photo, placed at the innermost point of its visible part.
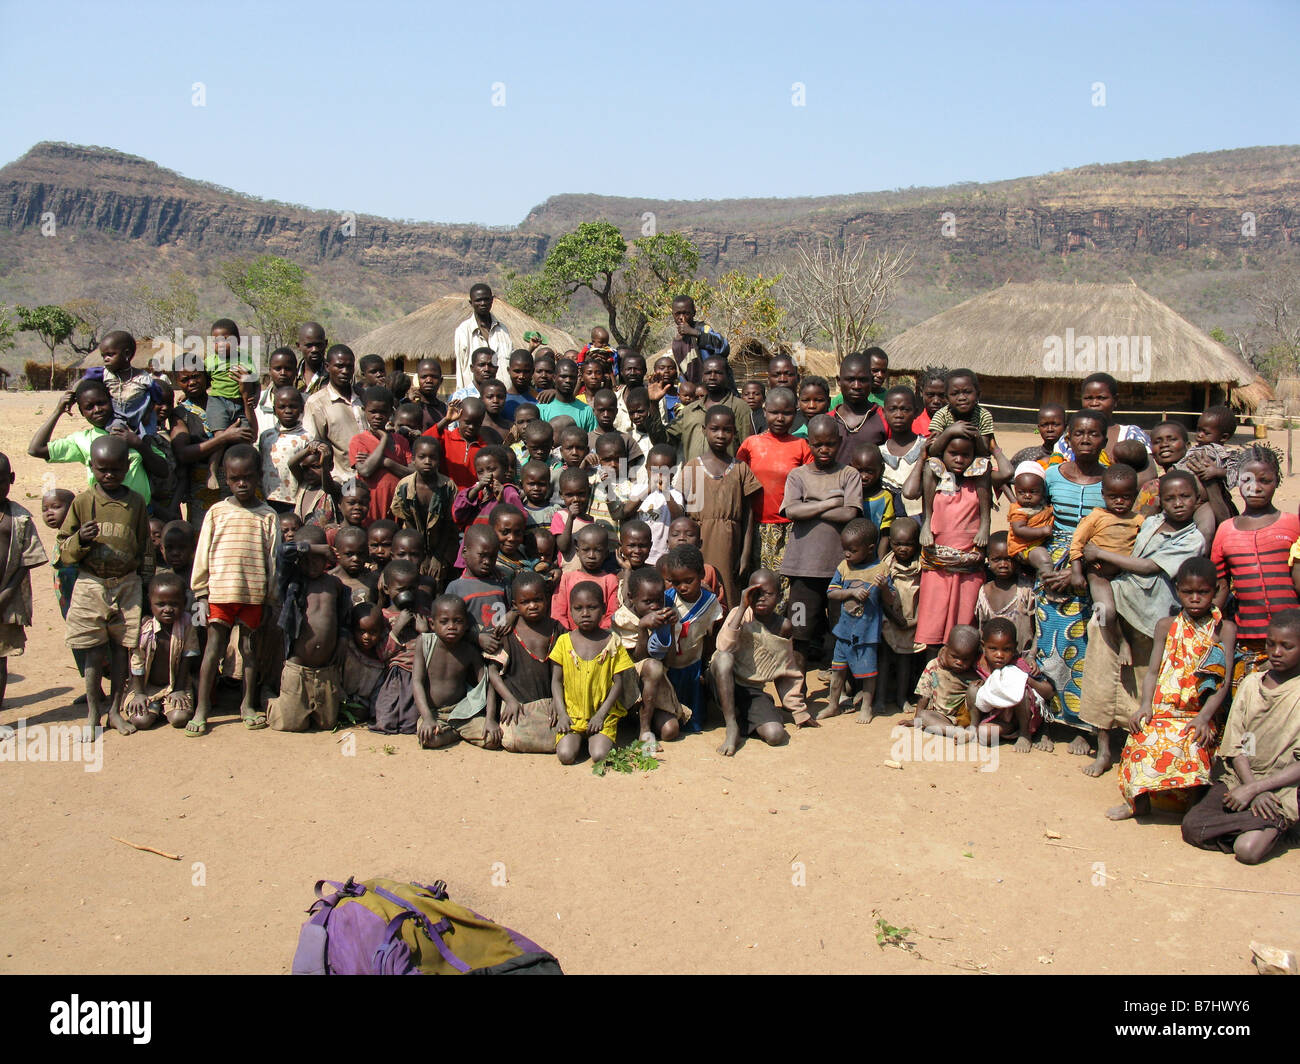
(573, 538)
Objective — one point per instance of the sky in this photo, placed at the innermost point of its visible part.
(478, 111)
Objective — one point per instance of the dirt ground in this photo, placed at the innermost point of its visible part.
(778, 860)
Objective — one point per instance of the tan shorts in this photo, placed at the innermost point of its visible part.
(104, 611)
(13, 637)
(307, 697)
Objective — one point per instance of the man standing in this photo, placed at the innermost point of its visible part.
(311, 358)
(481, 329)
(335, 414)
(694, 341)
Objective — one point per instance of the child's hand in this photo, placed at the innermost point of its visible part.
(453, 412)
(66, 403)
(491, 736)
(127, 436)
(575, 508)
(88, 533)
(426, 729)
(860, 594)
(1141, 718)
(927, 537)
(1201, 729)
(510, 709)
(1266, 806)
(1240, 797)
(982, 538)
(589, 460)
(881, 578)
(1090, 552)
(488, 641)
(137, 705)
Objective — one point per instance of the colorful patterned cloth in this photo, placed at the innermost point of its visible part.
(1164, 757)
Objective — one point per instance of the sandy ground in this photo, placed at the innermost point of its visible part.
(774, 861)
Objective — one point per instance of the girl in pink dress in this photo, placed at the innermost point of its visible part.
(957, 496)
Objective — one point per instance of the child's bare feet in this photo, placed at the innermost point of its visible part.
(1123, 811)
(1079, 746)
(865, 712)
(649, 743)
(119, 722)
(1125, 653)
(732, 740)
(1023, 745)
(1099, 764)
(833, 708)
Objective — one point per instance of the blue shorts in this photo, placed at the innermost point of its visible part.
(686, 682)
(859, 661)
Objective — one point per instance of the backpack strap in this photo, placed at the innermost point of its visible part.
(432, 930)
(350, 889)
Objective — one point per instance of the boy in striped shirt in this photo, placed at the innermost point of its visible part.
(234, 579)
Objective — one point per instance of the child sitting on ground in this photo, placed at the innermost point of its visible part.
(1011, 694)
(519, 685)
(899, 649)
(591, 679)
(104, 535)
(162, 683)
(646, 625)
(755, 648)
(394, 705)
(941, 706)
(1008, 595)
(449, 682)
(1252, 802)
(20, 553)
(1031, 519)
(363, 661)
(314, 620)
(593, 566)
(856, 586)
(699, 615)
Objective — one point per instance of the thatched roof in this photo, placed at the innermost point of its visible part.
(428, 332)
(159, 354)
(1019, 329)
(1248, 397)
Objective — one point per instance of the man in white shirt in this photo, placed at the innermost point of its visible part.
(481, 329)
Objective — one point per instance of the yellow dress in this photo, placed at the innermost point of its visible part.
(587, 683)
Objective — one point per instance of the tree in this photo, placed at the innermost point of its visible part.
(842, 292)
(277, 291)
(52, 324)
(159, 311)
(6, 331)
(93, 320)
(1277, 308)
(743, 307)
(634, 286)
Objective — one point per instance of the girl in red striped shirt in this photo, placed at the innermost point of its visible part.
(1252, 553)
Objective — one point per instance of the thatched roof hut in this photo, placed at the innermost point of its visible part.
(1034, 343)
(428, 332)
(158, 354)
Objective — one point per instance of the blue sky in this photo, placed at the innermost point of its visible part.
(387, 108)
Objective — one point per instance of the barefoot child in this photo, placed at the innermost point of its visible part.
(856, 586)
(519, 686)
(899, 657)
(755, 648)
(957, 497)
(1010, 695)
(104, 535)
(820, 499)
(162, 681)
(363, 662)
(1171, 749)
(941, 706)
(1008, 595)
(315, 630)
(394, 705)
(699, 614)
(647, 627)
(1253, 799)
(719, 494)
(234, 577)
(449, 682)
(591, 679)
(20, 553)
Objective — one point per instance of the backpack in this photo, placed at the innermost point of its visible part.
(384, 927)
